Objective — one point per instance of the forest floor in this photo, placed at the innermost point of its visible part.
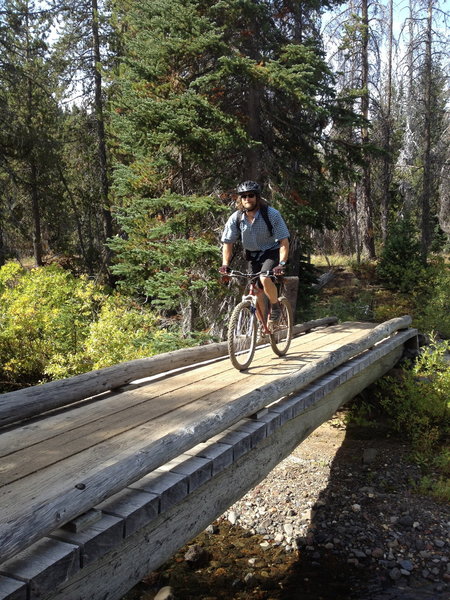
(340, 518)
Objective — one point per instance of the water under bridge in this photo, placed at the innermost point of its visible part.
(104, 476)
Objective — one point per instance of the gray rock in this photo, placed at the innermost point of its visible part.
(406, 521)
(395, 574)
(406, 565)
(196, 556)
(369, 456)
(232, 517)
(165, 593)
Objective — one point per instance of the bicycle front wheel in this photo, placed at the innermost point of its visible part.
(281, 331)
(242, 335)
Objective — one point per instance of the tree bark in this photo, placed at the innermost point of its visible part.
(33, 182)
(426, 183)
(101, 136)
(369, 238)
(387, 126)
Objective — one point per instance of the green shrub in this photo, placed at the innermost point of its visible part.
(418, 406)
(437, 487)
(401, 266)
(432, 299)
(54, 325)
(43, 312)
(357, 308)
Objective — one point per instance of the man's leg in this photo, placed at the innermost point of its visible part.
(270, 289)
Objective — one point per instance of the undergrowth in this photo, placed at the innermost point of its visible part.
(54, 325)
(415, 406)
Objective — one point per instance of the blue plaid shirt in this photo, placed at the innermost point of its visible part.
(256, 236)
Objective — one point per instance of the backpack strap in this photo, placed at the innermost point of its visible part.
(265, 215)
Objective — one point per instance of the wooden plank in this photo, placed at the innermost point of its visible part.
(170, 488)
(94, 541)
(43, 566)
(12, 589)
(83, 521)
(38, 399)
(143, 552)
(195, 469)
(93, 478)
(58, 438)
(122, 404)
(134, 507)
(220, 455)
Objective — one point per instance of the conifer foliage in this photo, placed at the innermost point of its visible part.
(210, 93)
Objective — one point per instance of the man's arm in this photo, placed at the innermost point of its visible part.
(227, 253)
(284, 249)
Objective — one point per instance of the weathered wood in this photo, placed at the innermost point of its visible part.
(83, 521)
(44, 566)
(324, 279)
(36, 400)
(80, 427)
(12, 589)
(143, 552)
(203, 420)
(325, 322)
(290, 290)
(134, 507)
(96, 540)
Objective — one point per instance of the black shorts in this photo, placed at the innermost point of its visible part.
(263, 261)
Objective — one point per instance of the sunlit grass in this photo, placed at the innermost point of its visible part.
(332, 260)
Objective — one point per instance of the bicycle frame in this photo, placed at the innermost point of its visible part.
(242, 327)
(253, 294)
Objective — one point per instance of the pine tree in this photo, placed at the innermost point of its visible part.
(27, 134)
(84, 50)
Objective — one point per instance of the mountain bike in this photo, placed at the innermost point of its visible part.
(247, 317)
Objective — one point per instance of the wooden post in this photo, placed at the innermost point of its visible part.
(291, 291)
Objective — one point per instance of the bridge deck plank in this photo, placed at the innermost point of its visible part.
(33, 447)
(49, 456)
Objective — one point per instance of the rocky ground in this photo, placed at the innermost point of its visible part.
(338, 519)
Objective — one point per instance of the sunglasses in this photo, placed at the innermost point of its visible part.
(247, 196)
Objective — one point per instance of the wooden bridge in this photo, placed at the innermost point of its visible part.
(105, 475)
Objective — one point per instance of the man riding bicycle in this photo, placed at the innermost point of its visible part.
(265, 238)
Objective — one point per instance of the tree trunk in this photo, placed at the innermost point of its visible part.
(427, 183)
(33, 182)
(35, 209)
(369, 239)
(101, 136)
(387, 126)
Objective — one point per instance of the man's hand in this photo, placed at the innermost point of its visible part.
(224, 269)
(278, 270)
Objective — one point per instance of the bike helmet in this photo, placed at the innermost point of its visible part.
(249, 186)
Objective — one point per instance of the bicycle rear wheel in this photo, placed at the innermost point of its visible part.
(281, 331)
(242, 335)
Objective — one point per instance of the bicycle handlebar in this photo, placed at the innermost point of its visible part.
(249, 275)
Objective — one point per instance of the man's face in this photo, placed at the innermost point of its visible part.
(249, 200)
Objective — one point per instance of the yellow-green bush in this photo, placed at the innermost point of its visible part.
(43, 312)
(54, 325)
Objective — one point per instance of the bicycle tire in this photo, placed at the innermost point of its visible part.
(281, 336)
(242, 335)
